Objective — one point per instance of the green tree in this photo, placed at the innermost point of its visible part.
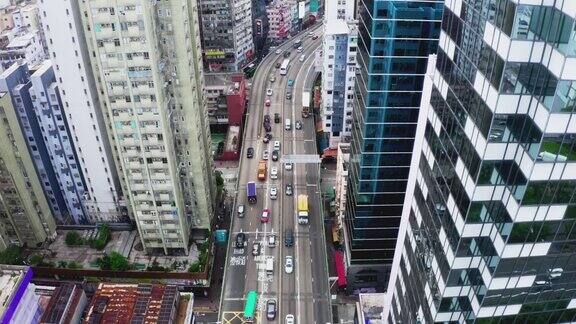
(195, 267)
(219, 180)
(73, 238)
(74, 265)
(118, 262)
(36, 260)
(103, 238)
(12, 255)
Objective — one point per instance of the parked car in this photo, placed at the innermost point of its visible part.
(265, 216)
(250, 152)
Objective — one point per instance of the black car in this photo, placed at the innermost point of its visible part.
(250, 153)
(271, 309)
(267, 127)
(288, 190)
(267, 138)
(298, 124)
(288, 95)
(277, 118)
(266, 118)
(286, 54)
(240, 239)
(275, 155)
(278, 65)
(288, 237)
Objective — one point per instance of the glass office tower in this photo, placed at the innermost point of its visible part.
(492, 227)
(395, 39)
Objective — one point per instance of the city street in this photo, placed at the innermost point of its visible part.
(303, 293)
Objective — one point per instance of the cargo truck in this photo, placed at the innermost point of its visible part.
(303, 209)
(251, 192)
(262, 168)
(305, 104)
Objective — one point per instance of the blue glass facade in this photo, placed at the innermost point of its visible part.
(395, 39)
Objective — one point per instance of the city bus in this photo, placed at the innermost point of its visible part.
(250, 307)
(284, 67)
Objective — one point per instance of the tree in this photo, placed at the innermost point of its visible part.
(36, 260)
(73, 238)
(103, 237)
(118, 262)
(12, 255)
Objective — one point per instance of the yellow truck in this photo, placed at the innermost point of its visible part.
(262, 168)
(303, 209)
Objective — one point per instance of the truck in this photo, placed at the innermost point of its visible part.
(262, 169)
(251, 192)
(303, 209)
(305, 104)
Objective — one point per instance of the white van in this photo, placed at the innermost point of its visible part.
(270, 266)
(277, 145)
(287, 124)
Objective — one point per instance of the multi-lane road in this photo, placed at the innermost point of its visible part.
(304, 293)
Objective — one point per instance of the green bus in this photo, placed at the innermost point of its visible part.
(250, 307)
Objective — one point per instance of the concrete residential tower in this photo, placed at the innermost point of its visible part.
(339, 49)
(226, 27)
(489, 235)
(395, 39)
(146, 58)
(84, 115)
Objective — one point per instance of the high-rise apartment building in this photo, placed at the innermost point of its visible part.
(25, 215)
(34, 94)
(70, 58)
(226, 27)
(146, 58)
(279, 21)
(395, 39)
(339, 48)
(490, 229)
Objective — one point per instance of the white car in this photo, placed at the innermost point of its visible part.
(272, 78)
(302, 58)
(277, 145)
(265, 155)
(269, 92)
(272, 240)
(278, 51)
(289, 319)
(274, 173)
(289, 264)
(288, 166)
(273, 193)
(300, 49)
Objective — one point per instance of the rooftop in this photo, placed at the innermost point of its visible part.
(21, 41)
(229, 82)
(372, 306)
(131, 303)
(336, 27)
(10, 279)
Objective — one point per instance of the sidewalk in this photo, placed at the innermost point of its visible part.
(211, 302)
